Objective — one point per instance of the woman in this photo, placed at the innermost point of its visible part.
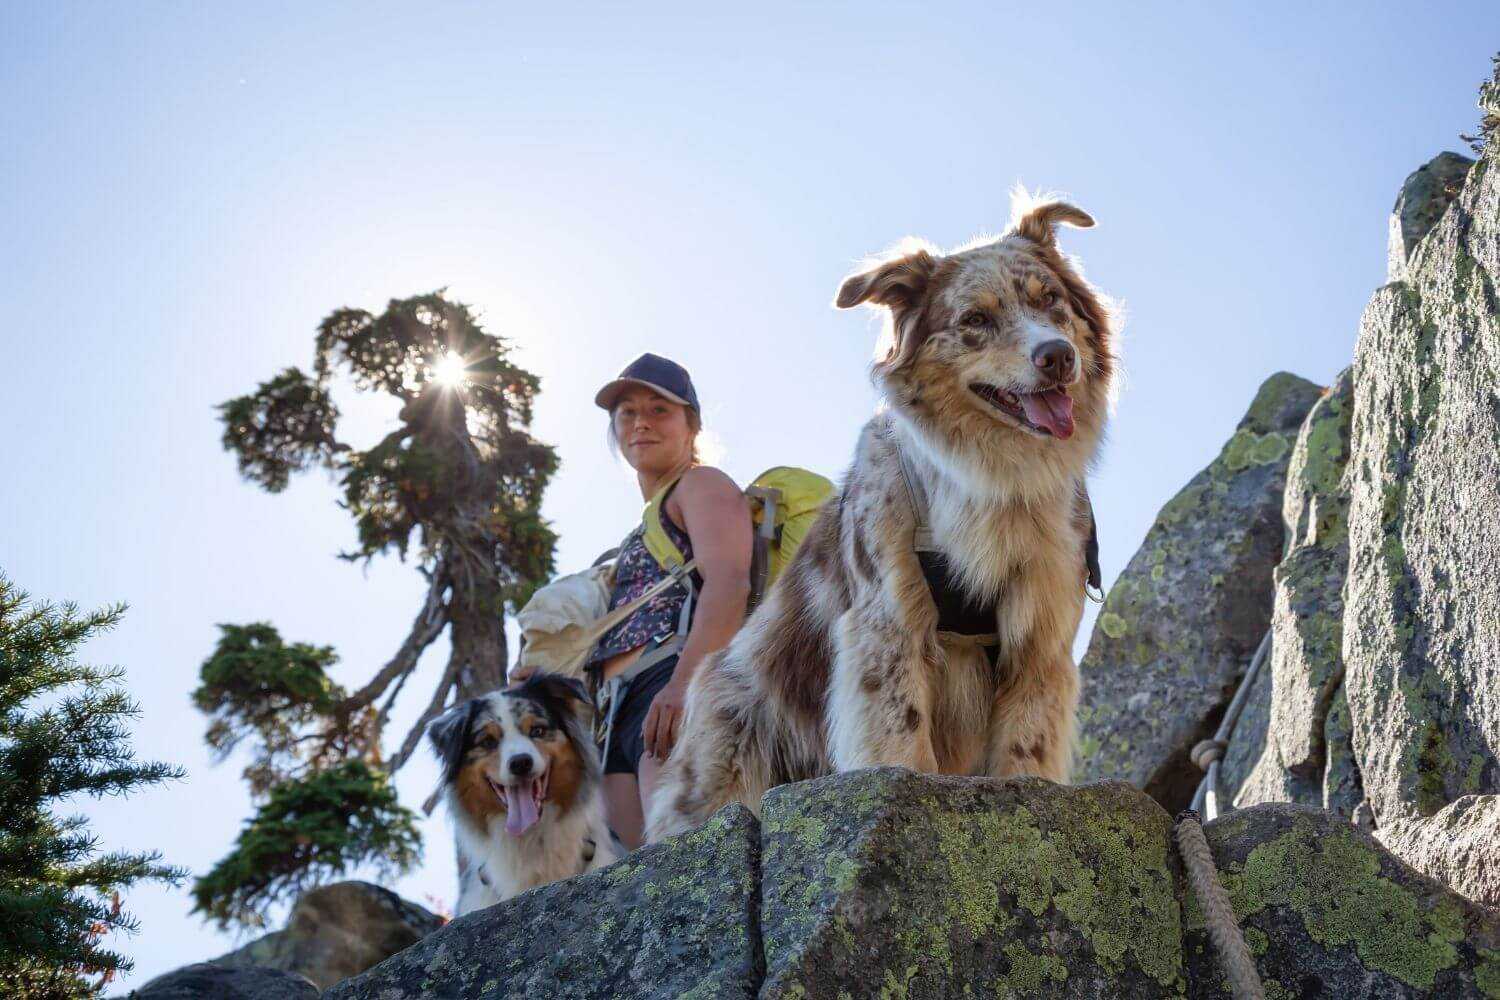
(654, 423)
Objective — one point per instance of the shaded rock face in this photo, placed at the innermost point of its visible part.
(1327, 912)
(1180, 625)
(1421, 643)
(1423, 199)
(206, 981)
(1455, 845)
(337, 931)
(1292, 740)
(889, 883)
(676, 919)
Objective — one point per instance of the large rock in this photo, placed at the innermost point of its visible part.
(676, 919)
(1281, 751)
(887, 883)
(1328, 912)
(206, 981)
(1181, 623)
(890, 883)
(338, 931)
(1423, 199)
(1421, 643)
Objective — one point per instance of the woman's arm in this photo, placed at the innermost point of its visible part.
(717, 519)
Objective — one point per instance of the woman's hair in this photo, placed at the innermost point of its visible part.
(695, 426)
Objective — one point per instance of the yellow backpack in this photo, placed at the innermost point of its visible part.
(783, 502)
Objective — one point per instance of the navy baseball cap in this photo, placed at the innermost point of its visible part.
(656, 373)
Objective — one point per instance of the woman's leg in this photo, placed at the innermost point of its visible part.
(622, 807)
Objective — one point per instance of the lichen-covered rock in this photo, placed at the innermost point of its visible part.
(891, 883)
(1328, 912)
(676, 919)
(1456, 845)
(1421, 644)
(337, 931)
(1423, 199)
(1180, 625)
(1280, 751)
(206, 981)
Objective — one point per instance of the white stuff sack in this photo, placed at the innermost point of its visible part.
(557, 624)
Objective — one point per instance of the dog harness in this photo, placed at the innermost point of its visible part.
(959, 616)
(589, 849)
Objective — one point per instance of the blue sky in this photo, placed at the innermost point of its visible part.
(187, 189)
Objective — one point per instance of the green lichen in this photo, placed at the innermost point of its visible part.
(1029, 971)
(1335, 885)
(1487, 973)
(1248, 448)
(1182, 505)
(1088, 867)
(1123, 904)
(1113, 625)
(1271, 400)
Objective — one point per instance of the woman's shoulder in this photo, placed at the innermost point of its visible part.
(707, 479)
(703, 487)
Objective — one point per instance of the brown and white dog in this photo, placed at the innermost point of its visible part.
(522, 778)
(997, 384)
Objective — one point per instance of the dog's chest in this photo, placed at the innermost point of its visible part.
(987, 548)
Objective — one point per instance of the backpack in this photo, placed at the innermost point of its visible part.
(564, 619)
(784, 500)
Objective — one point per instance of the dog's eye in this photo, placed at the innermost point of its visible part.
(487, 742)
(537, 732)
(1047, 300)
(975, 317)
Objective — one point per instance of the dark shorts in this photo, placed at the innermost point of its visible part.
(627, 743)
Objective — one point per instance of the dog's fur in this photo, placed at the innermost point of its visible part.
(842, 666)
(541, 724)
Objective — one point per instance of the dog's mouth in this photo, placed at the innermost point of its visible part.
(523, 802)
(1048, 412)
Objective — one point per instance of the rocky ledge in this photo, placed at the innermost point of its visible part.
(886, 883)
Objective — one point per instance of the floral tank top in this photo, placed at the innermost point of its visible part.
(636, 570)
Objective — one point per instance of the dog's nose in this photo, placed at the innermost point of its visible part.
(1054, 359)
(520, 766)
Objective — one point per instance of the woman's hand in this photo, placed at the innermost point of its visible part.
(664, 719)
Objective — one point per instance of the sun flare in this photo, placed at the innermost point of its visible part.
(450, 370)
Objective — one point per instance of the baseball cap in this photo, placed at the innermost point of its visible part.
(656, 373)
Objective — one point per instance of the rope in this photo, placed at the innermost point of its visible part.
(1206, 754)
(1223, 928)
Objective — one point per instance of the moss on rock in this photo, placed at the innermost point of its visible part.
(1321, 899)
(935, 885)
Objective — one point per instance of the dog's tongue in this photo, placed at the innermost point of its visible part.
(1051, 410)
(523, 808)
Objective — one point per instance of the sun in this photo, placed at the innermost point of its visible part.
(450, 370)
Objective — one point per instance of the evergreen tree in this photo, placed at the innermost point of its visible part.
(456, 486)
(62, 734)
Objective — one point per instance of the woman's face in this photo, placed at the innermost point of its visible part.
(652, 432)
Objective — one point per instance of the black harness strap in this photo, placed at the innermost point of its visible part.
(958, 614)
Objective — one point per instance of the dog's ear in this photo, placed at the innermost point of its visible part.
(896, 284)
(1038, 221)
(558, 691)
(449, 733)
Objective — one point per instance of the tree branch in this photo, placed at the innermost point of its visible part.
(429, 624)
(433, 710)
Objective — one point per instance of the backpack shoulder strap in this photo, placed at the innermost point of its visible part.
(658, 542)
